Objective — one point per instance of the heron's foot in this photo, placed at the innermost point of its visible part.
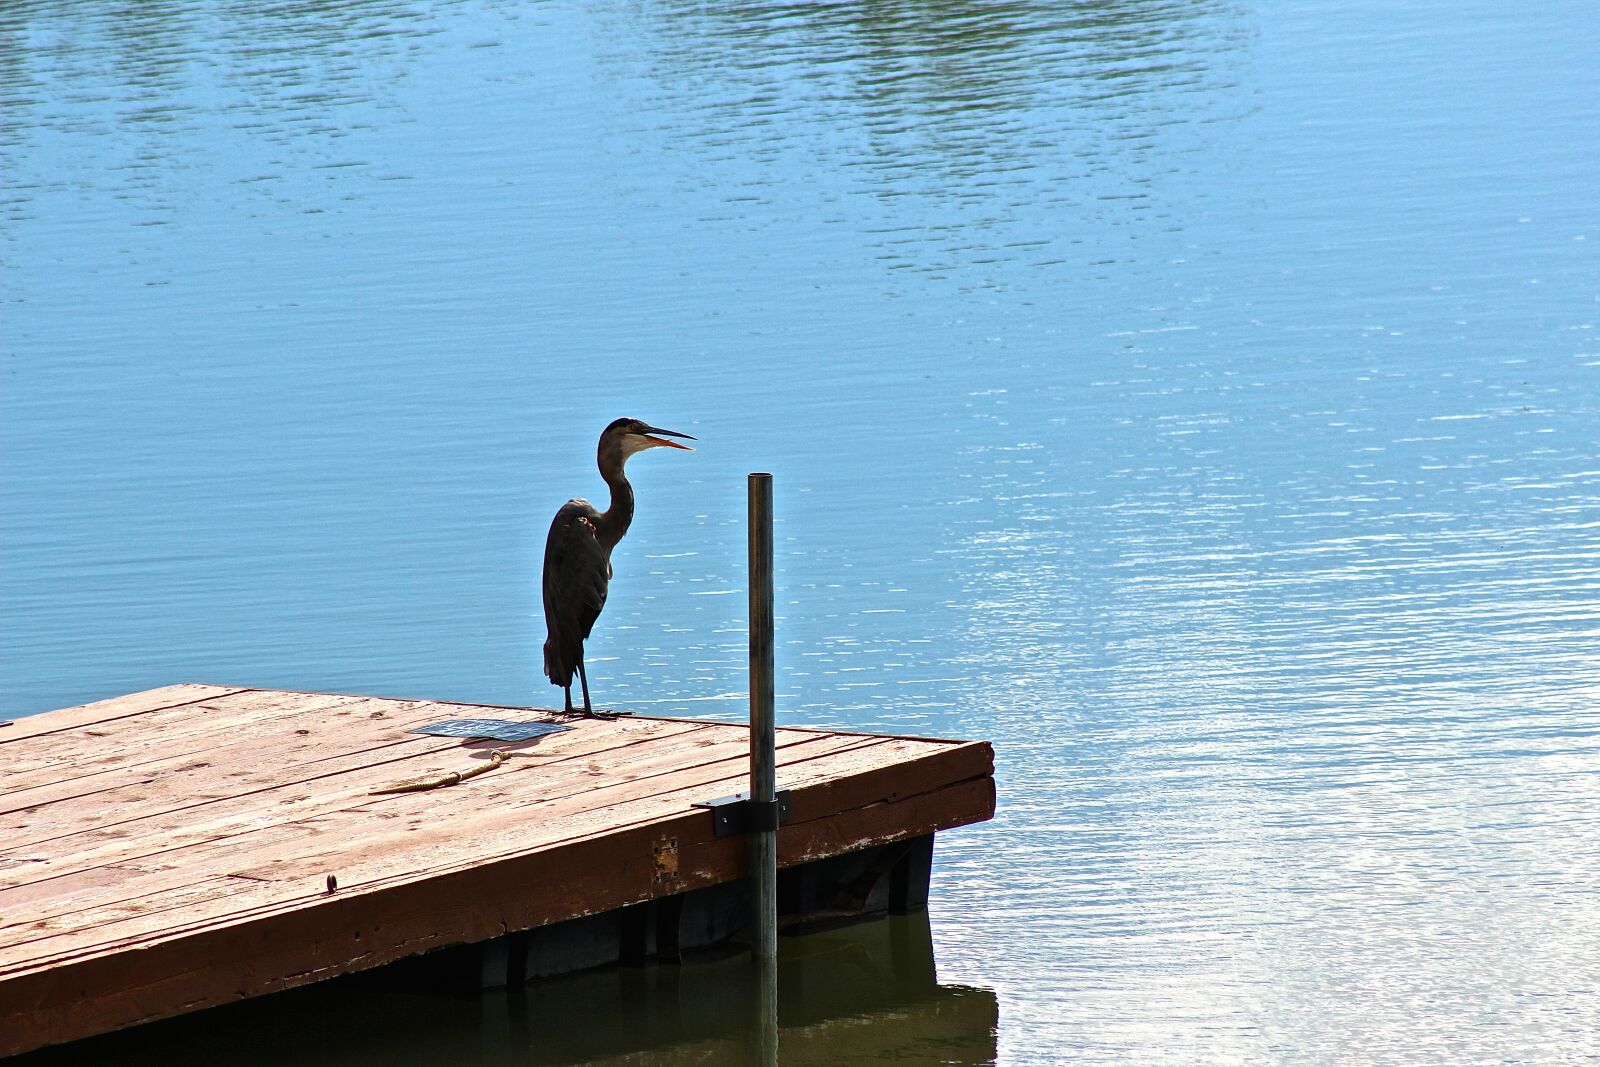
(591, 713)
(603, 713)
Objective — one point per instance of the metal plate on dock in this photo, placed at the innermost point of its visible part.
(492, 729)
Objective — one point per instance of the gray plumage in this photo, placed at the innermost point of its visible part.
(577, 554)
(577, 576)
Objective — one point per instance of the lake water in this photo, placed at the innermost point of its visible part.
(1198, 399)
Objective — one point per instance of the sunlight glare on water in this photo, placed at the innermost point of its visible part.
(1197, 400)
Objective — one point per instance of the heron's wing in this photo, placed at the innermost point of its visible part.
(577, 574)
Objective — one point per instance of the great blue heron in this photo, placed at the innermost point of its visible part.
(577, 555)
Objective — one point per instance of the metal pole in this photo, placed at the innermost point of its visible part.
(763, 754)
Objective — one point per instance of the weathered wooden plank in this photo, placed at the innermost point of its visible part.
(302, 796)
(185, 838)
(186, 864)
(195, 728)
(565, 810)
(313, 856)
(530, 823)
(193, 731)
(339, 817)
(916, 767)
(197, 795)
(355, 931)
(223, 770)
(111, 710)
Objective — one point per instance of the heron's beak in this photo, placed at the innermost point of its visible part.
(667, 433)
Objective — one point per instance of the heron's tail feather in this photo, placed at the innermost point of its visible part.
(556, 669)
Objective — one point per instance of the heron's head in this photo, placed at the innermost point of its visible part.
(627, 436)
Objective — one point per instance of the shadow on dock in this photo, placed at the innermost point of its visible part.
(858, 994)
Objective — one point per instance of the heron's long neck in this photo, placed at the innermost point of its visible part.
(616, 519)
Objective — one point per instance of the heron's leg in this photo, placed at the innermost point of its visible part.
(584, 678)
(588, 711)
(568, 690)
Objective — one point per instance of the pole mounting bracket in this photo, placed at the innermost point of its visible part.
(738, 814)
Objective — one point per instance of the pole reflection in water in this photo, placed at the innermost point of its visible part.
(765, 1051)
(860, 994)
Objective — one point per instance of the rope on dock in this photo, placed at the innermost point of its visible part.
(495, 759)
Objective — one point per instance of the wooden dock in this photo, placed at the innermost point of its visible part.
(196, 845)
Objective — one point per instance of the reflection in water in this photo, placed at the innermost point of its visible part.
(967, 122)
(861, 994)
(237, 92)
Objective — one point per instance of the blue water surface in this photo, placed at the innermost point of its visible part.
(1197, 399)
